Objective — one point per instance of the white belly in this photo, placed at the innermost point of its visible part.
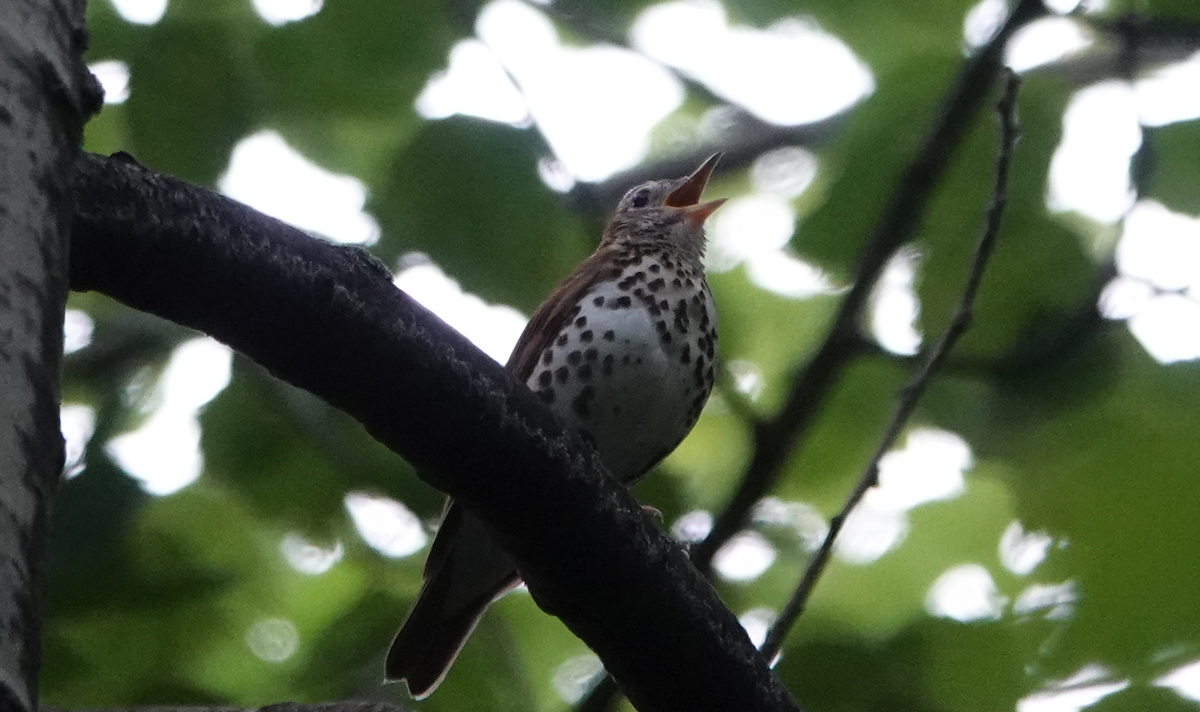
(632, 378)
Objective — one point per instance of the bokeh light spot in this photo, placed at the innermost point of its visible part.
(744, 557)
(386, 525)
(965, 593)
(272, 177)
(273, 639)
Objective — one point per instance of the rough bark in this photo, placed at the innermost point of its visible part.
(45, 95)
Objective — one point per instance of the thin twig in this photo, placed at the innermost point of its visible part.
(906, 399)
(776, 440)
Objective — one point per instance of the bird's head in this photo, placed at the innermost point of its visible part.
(668, 209)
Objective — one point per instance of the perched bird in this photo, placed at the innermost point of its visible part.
(623, 350)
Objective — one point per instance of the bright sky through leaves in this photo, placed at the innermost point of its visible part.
(519, 68)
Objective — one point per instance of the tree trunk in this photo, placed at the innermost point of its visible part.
(45, 95)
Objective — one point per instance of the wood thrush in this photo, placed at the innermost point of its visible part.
(623, 349)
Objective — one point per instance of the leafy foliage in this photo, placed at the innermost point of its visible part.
(1076, 433)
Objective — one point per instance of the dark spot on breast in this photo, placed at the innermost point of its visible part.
(654, 267)
(677, 283)
(681, 320)
(639, 292)
(664, 305)
(666, 337)
(657, 284)
(606, 365)
(574, 358)
(690, 284)
(623, 302)
(609, 335)
(581, 322)
(661, 326)
(584, 372)
(697, 299)
(575, 311)
(561, 374)
(582, 403)
(698, 372)
(613, 273)
(591, 355)
(625, 358)
(587, 336)
(686, 356)
(547, 357)
(545, 378)
(626, 284)
(563, 338)
(598, 301)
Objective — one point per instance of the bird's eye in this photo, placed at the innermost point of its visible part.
(640, 199)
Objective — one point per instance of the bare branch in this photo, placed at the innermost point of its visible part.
(777, 439)
(906, 399)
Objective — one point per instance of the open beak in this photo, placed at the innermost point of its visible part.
(687, 195)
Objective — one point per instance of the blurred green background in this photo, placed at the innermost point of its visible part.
(225, 538)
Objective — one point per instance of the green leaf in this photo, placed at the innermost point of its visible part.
(1175, 165)
(466, 193)
(860, 167)
(341, 86)
(190, 97)
(1039, 268)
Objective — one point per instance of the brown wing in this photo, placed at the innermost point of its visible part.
(551, 316)
(554, 312)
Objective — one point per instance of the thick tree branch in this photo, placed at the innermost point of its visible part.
(328, 319)
(906, 400)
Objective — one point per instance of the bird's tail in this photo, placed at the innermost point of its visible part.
(458, 589)
(429, 642)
